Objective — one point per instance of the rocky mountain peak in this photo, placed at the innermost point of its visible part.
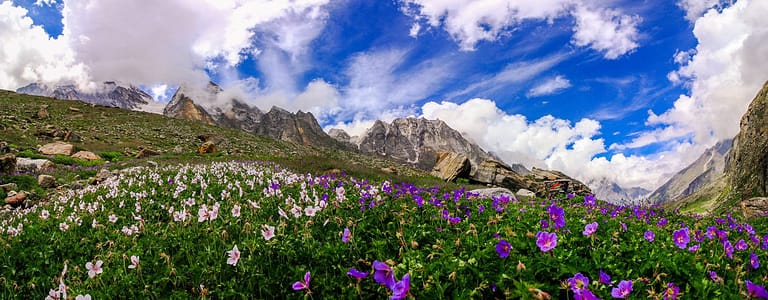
(109, 93)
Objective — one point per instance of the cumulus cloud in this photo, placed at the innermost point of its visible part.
(723, 72)
(550, 142)
(28, 54)
(550, 86)
(603, 29)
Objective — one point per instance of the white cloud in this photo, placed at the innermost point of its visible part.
(724, 72)
(159, 92)
(28, 54)
(550, 86)
(695, 8)
(605, 30)
(470, 22)
(552, 143)
(513, 74)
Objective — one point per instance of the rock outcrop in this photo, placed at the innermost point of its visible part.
(704, 170)
(24, 164)
(747, 162)
(450, 166)
(87, 155)
(182, 106)
(607, 190)
(754, 207)
(109, 93)
(7, 164)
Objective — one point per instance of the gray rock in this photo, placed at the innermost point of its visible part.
(525, 193)
(493, 192)
(24, 164)
(4, 148)
(152, 164)
(46, 181)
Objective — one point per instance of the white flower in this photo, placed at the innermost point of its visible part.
(94, 223)
(202, 214)
(81, 297)
(63, 226)
(113, 218)
(44, 214)
(310, 211)
(94, 269)
(282, 213)
(234, 256)
(236, 211)
(296, 211)
(134, 262)
(268, 232)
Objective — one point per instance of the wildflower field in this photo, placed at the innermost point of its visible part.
(253, 230)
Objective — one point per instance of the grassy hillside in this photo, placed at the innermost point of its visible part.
(121, 133)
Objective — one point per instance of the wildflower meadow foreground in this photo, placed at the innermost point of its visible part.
(252, 230)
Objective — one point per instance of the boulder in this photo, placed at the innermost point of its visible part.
(494, 172)
(207, 147)
(525, 193)
(144, 153)
(389, 170)
(103, 175)
(16, 199)
(753, 207)
(46, 181)
(450, 166)
(71, 136)
(7, 164)
(87, 155)
(43, 112)
(492, 192)
(56, 148)
(4, 148)
(24, 164)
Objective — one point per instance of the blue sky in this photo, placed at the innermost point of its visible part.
(593, 88)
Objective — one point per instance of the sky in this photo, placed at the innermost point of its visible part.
(628, 90)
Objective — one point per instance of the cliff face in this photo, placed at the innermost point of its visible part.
(706, 169)
(418, 142)
(299, 127)
(747, 162)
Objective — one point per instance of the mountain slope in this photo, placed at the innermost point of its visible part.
(698, 174)
(109, 93)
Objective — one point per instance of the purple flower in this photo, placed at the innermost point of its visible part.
(589, 200)
(649, 236)
(756, 291)
(345, 235)
(623, 226)
(694, 248)
(623, 290)
(578, 282)
(584, 295)
(356, 273)
(754, 261)
(544, 224)
(570, 196)
(681, 237)
(546, 241)
(383, 274)
(300, 285)
(557, 215)
(662, 222)
(671, 292)
(590, 229)
(401, 288)
(728, 249)
(713, 275)
(604, 278)
(741, 245)
(502, 248)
